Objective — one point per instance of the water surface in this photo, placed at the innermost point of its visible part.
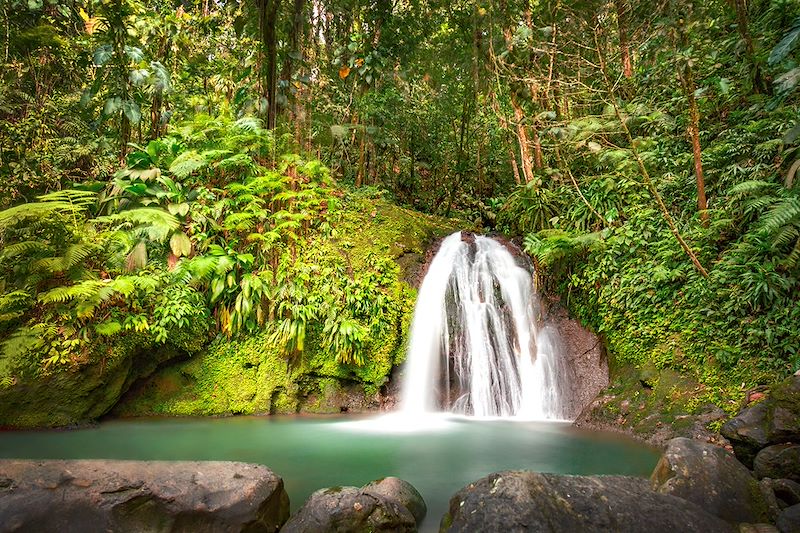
(438, 457)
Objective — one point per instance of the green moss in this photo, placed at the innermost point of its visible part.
(250, 374)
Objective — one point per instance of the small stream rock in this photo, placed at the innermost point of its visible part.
(389, 504)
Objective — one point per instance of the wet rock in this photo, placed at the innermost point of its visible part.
(153, 496)
(757, 528)
(780, 461)
(80, 396)
(712, 478)
(400, 491)
(390, 504)
(774, 420)
(586, 360)
(789, 520)
(786, 491)
(519, 501)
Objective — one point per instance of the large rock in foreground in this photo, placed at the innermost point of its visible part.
(80, 496)
(517, 501)
(774, 420)
(712, 478)
(390, 504)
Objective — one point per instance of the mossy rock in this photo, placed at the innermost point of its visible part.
(84, 393)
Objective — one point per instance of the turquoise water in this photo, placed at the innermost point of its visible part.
(312, 453)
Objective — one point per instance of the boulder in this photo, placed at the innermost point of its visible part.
(400, 491)
(712, 478)
(390, 504)
(153, 496)
(789, 520)
(517, 501)
(774, 420)
(785, 491)
(779, 461)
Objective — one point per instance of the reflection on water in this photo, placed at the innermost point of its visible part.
(437, 454)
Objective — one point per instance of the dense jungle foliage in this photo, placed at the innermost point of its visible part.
(175, 171)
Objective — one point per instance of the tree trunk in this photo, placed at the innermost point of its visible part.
(522, 138)
(624, 44)
(744, 31)
(694, 131)
(295, 49)
(267, 21)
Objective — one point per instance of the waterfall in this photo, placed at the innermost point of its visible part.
(475, 348)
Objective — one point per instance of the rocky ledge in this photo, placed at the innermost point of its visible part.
(153, 496)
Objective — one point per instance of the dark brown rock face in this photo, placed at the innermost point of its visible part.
(390, 504)
(586, 362)
(517, 501)
(774, 420)
(789, 520)
(153, 496)
(712, 478)
(780, 461)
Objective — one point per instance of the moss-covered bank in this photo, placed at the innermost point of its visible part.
(376, 244)
(251, 374)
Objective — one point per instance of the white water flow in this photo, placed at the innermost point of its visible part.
(475, 348)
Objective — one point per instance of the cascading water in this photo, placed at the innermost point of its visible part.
(475, 348)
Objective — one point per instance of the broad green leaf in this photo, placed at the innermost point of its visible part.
(139, 76)
(180, 244)
(788, 81)
(786, 44)
(178, 209)
(134, 53)
(132, 111)
(160, 78)
(102, 55)
(112, 106)
(792, 134)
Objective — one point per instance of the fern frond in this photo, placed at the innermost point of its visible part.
(750, 187)
(153, 223)
(785, 212)
(24, 248)
(76, 254)
(84, 291)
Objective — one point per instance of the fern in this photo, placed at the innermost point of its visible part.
(151, 223)
(75, 255)
(784, 213)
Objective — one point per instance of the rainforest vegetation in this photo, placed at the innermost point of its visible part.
(179, 174)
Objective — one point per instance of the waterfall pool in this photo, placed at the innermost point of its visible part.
(438, 455)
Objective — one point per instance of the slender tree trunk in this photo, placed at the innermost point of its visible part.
(295, 49)
(267, 21)
(361, 154)
(742, 25)
(694, 132)
(512, 157)
(624, 45)
(686, 77)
